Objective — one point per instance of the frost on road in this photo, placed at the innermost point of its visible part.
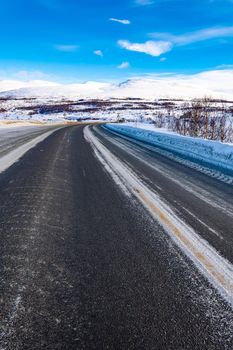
(84, 265)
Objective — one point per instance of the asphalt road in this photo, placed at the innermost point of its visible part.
(85, 267)
(203, 201)
(14, 137)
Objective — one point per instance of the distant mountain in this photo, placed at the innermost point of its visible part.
(69, 91)
(216, 84)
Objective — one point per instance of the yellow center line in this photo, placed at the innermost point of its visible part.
(177, 232)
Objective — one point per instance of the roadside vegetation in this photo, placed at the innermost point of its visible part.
(206, 118)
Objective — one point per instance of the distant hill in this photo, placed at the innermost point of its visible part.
(215, 84)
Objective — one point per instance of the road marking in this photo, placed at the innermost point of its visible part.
(187, 185)
(202, 223)
(13, 156)
(213, 266)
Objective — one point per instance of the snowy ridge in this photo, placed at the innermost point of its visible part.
(215, 84)
(55, 91)
(211, 152)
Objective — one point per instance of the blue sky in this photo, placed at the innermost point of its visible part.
(78, 40)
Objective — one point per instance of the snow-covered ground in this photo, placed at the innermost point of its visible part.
(205, 151)
(57, 109)
(147, 126)
(136, 98)
(216, 84)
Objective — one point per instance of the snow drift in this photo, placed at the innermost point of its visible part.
(210, 152)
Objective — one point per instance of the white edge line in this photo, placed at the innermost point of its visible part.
(211, 264)
(13, 156)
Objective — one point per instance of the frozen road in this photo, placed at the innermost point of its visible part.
(84, 265)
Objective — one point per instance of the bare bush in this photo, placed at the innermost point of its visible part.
(200, 118)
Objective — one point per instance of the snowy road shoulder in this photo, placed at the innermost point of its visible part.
(218, 270)
(214, 153)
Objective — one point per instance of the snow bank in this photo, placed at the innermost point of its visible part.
(208, 152)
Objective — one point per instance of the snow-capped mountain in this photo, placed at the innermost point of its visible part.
(216, 84)
(88, 89)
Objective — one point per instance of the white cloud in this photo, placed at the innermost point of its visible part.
(98, 53)
(152, 48)
(25, 75)
(124, 65)
(122, 21)
(200, 35)
(163, 59)
(66, 48)
(144, 2)
(31, 75)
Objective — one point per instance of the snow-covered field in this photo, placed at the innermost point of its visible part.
(216, 84)
(132, 99)
(59, 110)
(211, 152)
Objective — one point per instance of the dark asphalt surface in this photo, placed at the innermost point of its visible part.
(85, 267)
(204, 202)
(18, 136)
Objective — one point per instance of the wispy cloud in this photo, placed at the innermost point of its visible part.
(144, 2)
(225, 66)
(152, 48)
(98, 53)
(124, 65)
(200, 35)
(31, 75)
(122, 21)
(66, 48)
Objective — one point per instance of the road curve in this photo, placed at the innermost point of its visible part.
(204, 202)
(85, 266)
(13, 137)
